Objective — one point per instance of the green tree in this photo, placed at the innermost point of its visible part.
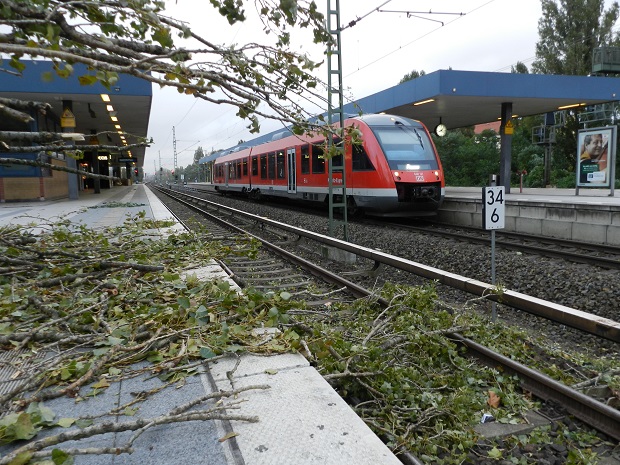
(468, 159)
(198, 154)
(412, 75)
(519, 68)
(569, 31)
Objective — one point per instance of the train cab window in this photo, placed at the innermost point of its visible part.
(271, 167)
(254, 166)
(280, 165)
(361, 162)
(318, 160)
(263, 166)
(305, 159)
(406, 147)
(244, 163)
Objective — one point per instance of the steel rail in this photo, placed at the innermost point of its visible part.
(583, 321)
(596, 414)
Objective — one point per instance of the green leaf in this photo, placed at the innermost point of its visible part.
(66, 422)
(183, 302)
(115, 341)
(60, 457)
(22, 459)
(101, 384)
(130, 411)
(23, 427)
(17, 64)
(162, 36)
(87, 80)
(495, 453)
(41, 414)
(207, 353)
(84, 423)
(155, 357)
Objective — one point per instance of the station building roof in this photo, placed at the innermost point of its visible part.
(130, 97)
(466, 98)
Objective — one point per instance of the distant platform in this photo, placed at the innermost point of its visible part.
(591, 216)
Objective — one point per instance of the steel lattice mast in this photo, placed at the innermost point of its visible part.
(335, 113)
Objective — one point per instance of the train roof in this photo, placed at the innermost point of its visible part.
(382, 119)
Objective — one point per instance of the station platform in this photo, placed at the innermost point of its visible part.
(592, 216)
(301, 419)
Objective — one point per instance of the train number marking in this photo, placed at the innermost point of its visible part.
(419, 178)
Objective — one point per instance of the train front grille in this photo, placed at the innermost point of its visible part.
(408, 192)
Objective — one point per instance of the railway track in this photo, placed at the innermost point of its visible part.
(600, 255)
(595, 413)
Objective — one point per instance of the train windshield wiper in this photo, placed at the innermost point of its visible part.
(400, 125)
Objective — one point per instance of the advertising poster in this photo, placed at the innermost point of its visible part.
(595, 156)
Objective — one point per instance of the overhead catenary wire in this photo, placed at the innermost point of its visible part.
(417, 38)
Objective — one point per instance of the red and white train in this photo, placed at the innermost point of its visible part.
(395, 171)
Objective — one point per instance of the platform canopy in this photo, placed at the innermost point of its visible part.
(130, 99)
(466, 98)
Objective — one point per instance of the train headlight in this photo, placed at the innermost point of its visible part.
(396, 174)
(436, 173)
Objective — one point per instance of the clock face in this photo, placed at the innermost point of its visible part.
(441, 130)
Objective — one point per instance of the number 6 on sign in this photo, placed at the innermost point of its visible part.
(493, 207)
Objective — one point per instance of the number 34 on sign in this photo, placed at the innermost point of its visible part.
(493, 207)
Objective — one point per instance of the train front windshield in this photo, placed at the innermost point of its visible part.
(406, 148)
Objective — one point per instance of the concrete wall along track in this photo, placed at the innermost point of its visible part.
(592, 216)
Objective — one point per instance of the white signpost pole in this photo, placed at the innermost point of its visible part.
(493, 217)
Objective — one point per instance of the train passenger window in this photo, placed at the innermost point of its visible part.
(244, 163)
(406, 148)
(280, 165)
(361, 162)
(337, 160)
(263, 166)
(231, 171)
(238, 166)
(318, 160)
(305, 159)
(271, 167)
(254, 166)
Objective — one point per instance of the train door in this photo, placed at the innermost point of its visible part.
(226, 173)
(292, 171)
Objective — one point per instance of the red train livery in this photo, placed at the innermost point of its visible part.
(395, 171)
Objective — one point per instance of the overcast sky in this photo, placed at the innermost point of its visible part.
(491, 35)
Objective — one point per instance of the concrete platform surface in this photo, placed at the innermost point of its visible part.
(301, 419)
(545, 195)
